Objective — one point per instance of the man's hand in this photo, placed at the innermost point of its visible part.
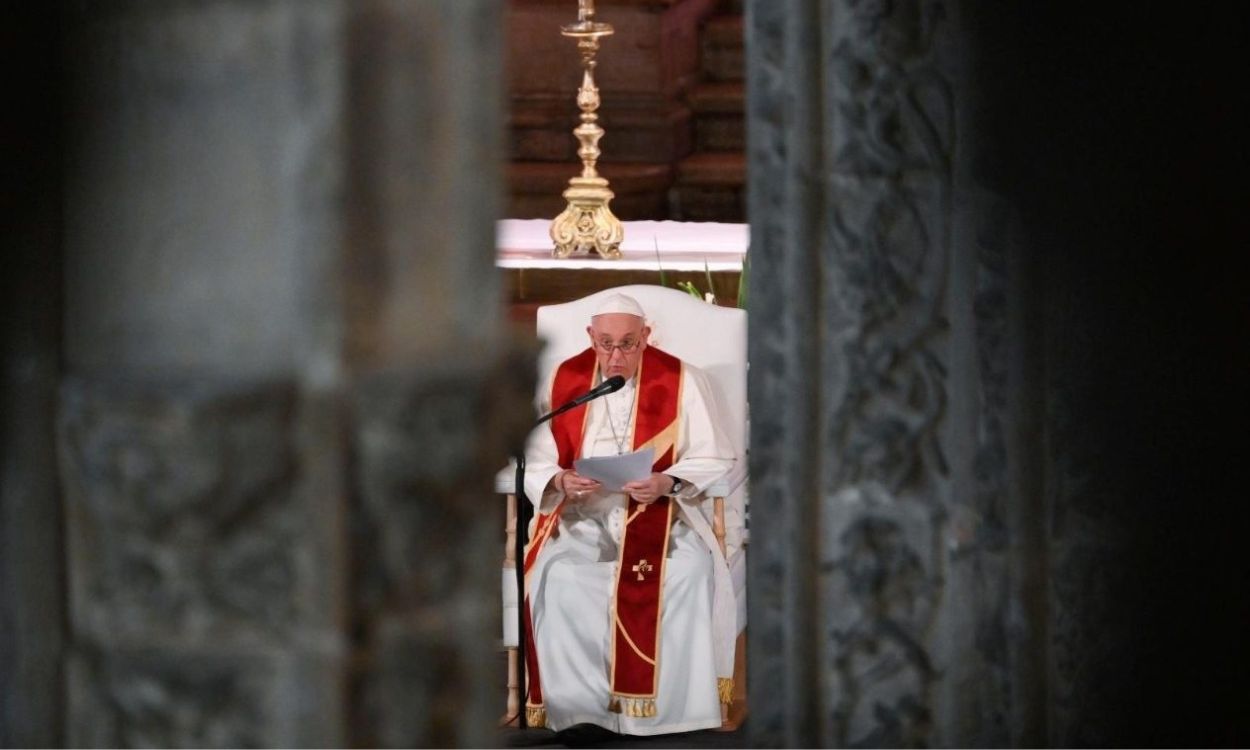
(575, 485)
(647, 491)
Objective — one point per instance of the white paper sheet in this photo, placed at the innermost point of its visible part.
(614, 471)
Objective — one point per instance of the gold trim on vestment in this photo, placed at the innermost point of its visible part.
(637, 512)
(725, 686)
(638, 708)
(535, 716)
(663, 440)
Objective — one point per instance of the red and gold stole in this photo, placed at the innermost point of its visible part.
(636, 602)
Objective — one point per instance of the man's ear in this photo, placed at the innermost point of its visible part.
(646, 335)
(590, 333)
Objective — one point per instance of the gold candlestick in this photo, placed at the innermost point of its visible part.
(587, 223)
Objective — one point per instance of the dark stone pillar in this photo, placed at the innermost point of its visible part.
(879, 565)
(288, 387)
(989, 344)
(198, 420)
(783, 147)
(437, 394)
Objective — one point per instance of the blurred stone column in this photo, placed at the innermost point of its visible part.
(285, 393)
(199, 430)
(438, 392)
(883, 591)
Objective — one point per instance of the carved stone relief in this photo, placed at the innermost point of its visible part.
(888, 197)
(181, 523)
(873, 331)
(891, 102)
(427, 445)
(887, 586)
(144, 698)
(193, 571)
(885, 285)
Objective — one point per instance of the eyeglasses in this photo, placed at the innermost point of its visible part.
(626, 347)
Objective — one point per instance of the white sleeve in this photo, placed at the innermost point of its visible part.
(704, 453)
(542, 457)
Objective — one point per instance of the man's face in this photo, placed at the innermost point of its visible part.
(618, 339)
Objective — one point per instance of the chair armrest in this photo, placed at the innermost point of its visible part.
(727, 484)
(505, 479)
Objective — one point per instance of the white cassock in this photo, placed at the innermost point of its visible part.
(571, 586)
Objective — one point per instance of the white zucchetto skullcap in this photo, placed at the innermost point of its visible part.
(619, 303)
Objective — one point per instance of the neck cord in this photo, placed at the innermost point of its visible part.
(620, 440)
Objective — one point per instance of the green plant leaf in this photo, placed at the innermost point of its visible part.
(691, 289)
(658, 264)
(708, 273)
(742, 281)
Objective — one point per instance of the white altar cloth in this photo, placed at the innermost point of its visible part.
(683, 246)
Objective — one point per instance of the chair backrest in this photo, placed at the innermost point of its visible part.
(710, 337)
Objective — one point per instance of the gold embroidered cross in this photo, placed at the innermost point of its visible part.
(643, 567)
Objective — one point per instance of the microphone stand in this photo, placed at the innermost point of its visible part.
(521, 537)
(523, 515)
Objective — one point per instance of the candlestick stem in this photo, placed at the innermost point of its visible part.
(587, 223)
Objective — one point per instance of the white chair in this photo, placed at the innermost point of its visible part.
(715, 340)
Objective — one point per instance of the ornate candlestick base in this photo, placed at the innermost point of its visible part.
(587, 223)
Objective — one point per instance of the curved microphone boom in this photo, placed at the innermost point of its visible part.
(611, 385)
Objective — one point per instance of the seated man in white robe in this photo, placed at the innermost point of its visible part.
(631, 613)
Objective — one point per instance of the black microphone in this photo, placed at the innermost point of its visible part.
(611, 385)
